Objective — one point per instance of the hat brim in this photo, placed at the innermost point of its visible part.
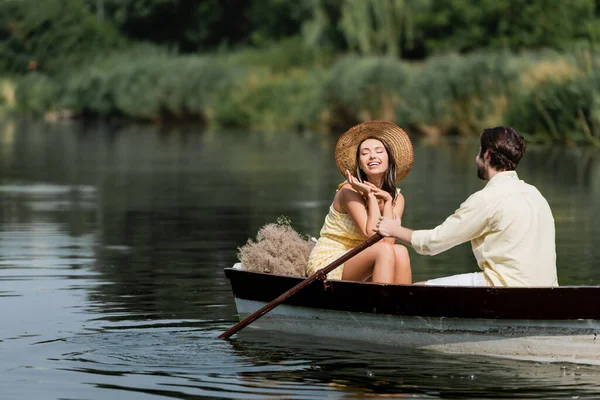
(394, 136)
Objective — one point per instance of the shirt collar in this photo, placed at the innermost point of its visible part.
(502, 176)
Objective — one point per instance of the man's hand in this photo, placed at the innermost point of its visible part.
(387, 226)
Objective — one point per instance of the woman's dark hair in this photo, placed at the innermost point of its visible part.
(389, 179)
(505, 145)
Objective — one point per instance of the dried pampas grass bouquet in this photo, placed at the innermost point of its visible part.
(278, 250)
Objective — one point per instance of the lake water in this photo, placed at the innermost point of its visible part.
(113, 241)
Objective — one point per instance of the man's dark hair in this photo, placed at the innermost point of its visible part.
(506, 147)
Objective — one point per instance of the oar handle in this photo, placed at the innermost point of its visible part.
(268, 307)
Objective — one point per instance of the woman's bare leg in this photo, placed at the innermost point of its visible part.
(403, 273)
(376, 262)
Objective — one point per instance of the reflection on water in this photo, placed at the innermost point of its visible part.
(113, 241)
(361, 371)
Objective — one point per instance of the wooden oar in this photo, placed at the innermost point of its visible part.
(323, 271)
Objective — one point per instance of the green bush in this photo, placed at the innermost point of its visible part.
(559, 110)
(549, 96)
(281, 56)
(146, 87)
(261, 99)
(362, 88)
(36, 94)
(456, 93)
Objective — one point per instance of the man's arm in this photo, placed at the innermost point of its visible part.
(468, 222)
(391, 228)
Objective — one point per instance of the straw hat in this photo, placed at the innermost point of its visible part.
(390, 133)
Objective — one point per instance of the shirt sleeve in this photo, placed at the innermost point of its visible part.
(468, 222)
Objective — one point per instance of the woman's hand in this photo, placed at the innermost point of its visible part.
(361, 187)
(379, 193)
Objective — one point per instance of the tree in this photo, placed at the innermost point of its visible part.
(41, 35)
(198, 25)
(465, 25)
(368, 27)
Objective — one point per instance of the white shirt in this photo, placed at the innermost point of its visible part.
(511, 229)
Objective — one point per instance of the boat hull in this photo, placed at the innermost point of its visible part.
(572, 341)
(447, 325)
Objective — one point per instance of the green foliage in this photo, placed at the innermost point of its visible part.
(368, 27)
(514, 24)
(547, 96)
(559, 110)
(289, 53)
(185, 25)
(290, 68)
(359, 88)
(147, 87)
(376, 26)
(260, 99)
(458, 93)
(274, 20)
(36, 94)
(417, 29)
(49, 34)
(200, 25)
(321, 29)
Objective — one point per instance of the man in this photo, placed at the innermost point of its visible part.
(508, 222)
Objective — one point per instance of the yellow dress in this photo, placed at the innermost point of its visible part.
(338, 235)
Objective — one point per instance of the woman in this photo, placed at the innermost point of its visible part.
(379, 154)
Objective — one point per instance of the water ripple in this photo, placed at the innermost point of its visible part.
(113, 244)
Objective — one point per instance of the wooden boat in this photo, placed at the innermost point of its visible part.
(542, 324)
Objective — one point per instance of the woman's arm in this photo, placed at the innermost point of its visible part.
(399, 207)
(392, 208)
(394, 212)
(360, 200)
(365, 216)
